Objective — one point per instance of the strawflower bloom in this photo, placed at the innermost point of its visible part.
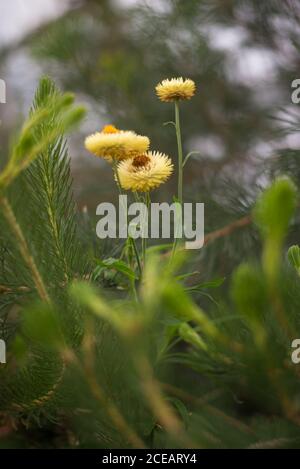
(145, 171)
(112, 143)
(175, 89)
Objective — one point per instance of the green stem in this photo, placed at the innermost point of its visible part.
(53, 222)
(144, 240)
(134, 292)
(115, 170)
(180, 153)
(131, 240)
(136, 255)
(24, 249)
(180, 166)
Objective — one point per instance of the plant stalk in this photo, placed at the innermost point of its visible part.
(24, 249)
(180, 153)
(144, 239)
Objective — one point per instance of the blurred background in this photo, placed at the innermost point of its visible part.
(243, 56)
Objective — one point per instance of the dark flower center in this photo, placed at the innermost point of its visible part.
(140, 161)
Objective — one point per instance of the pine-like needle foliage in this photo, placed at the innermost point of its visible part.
(170, 362)
(43, 205)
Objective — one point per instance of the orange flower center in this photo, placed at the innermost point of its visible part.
(110, 129)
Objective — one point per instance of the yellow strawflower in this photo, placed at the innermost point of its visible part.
(112, 143)
(175, 89)
(145, 171)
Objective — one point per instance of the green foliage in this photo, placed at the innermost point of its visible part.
(52, 116)
(274, 209)
(53, 244)
(187, 333)
(294, 257)
(249, 292)
(148, 359)
(41, 326)
(115, 265)
(273, 212)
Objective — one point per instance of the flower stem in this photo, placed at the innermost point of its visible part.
(180, 153)
(146, 220)
(24, 249)
(115, 170)
(136, 254)
(116, 174)
(180, 166)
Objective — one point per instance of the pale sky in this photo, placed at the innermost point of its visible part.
(20, 16)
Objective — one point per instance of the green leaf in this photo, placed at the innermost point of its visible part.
(211, 284)
(181, 409)
(273, 212)
(118, 265)
(249, 292)
(294, 257)
(275, 208)
(189, 334)
(188, 157)
(182, 307)
(169, 123)
(187, 275)
(159, 247)
(87, 296)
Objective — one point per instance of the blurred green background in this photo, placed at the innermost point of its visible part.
(243, 55)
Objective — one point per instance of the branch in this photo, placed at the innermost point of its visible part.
(228, 229)
(24, 249)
